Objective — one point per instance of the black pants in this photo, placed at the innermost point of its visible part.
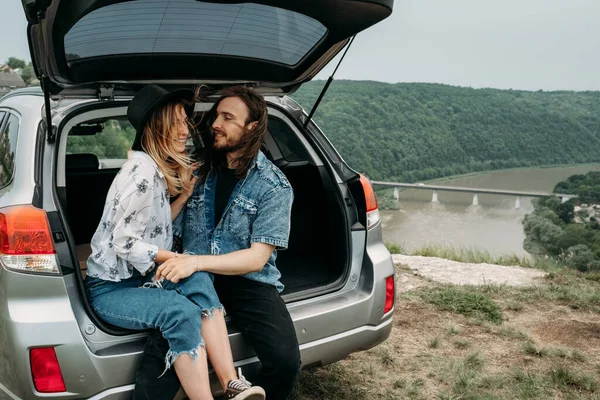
(264, 321)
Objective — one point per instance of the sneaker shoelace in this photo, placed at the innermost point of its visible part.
(240, 383)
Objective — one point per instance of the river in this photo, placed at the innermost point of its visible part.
(495, 225)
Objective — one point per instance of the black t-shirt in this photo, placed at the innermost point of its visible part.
(226, 181)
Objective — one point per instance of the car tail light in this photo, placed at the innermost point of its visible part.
(389, 294)
(371, 202)
(25, 240)
(45, 370)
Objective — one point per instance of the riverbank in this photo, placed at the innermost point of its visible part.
(478, 173)
(485, 341)
(381, 190)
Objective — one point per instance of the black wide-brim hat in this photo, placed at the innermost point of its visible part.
(150, 99)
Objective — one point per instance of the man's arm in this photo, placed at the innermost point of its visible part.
(235, 263)
(238, 262)
(270, 230)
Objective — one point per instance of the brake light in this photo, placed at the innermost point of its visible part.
(389, 294)
(371, 202)
(45, 370)
(25, 240)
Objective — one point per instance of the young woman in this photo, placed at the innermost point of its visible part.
(135, 234)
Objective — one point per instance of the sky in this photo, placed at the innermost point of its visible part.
(508, 44)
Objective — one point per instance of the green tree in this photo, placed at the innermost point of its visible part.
(15, 63)
(566, 212)
(581, 257)
(28, 74)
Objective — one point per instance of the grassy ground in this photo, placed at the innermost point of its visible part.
(477, 342)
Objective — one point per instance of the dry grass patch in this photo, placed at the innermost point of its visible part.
(472, 343)
(452, 329)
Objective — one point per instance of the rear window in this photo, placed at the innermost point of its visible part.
(8, 145)
(192, 27)
(108, 140)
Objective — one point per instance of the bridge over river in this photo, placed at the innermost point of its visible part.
(476, 191)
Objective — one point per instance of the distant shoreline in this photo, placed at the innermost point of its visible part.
(470, 174)
(447, 178)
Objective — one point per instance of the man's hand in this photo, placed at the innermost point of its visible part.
(177, 268)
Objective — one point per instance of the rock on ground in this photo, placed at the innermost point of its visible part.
(448, 271)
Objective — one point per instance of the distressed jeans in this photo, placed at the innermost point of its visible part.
(263, 319)
(175, 309)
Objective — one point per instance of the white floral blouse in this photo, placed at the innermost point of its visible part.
(135, 223)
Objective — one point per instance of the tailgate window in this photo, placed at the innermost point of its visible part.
(193, 27)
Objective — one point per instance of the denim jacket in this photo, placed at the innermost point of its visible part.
(258, 211)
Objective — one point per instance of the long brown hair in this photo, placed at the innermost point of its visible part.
(250, 141)
(157, 142)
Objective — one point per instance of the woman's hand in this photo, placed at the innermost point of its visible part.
(186, 192)
(188, 189)
(178, 268)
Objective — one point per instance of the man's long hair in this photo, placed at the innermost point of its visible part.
(157, 142)
(251, 140)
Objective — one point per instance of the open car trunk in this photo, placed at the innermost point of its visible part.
(317, 256)
(109, 49)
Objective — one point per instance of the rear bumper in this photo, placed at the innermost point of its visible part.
(334, 348)
(118, 393)
(338, 347)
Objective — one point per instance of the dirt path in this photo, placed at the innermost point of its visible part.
(447, 271)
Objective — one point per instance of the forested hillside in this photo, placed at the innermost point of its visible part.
(412, 131)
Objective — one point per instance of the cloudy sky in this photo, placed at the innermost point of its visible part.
(518, 44)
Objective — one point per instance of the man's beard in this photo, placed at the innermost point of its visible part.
(229, 147)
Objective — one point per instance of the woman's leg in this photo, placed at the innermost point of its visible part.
(125, 305)
(193, 375)
(214, 332)
(200, 290)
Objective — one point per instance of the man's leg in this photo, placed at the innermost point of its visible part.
(264, 321)
(147, 384)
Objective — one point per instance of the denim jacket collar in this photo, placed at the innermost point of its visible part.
(210, 188)
(259, 161)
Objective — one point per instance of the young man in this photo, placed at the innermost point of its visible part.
(236, 219)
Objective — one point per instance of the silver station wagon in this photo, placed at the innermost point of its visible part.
(91, 57)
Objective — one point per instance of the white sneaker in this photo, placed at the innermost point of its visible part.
(241, 389)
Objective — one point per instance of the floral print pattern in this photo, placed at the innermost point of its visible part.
(135, 223)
